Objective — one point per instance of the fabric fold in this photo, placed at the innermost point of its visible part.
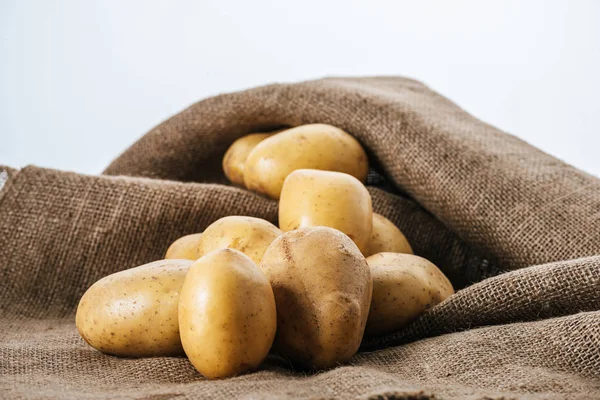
(510, 200)
(516, 230)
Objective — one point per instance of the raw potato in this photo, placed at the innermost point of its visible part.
(185, 248)
(322, 287)
(316, 146)
(234, 161)
(324, 198)
(404, 285)
(227, 314)
(386, 237)
(249, 235)
(133, 313)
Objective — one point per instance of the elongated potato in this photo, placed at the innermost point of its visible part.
(315, 146)
(133, 313)
(404, 285)
(249, 235)
(322, 287)
(234, 161)
(227, 314)
(386, 237)
(185, 248)
(324, 198)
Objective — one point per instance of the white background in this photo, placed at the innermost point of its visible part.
(81, 80)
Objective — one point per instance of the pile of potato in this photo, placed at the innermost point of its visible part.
(309, 289)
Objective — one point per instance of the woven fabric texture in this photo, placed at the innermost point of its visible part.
(516, 230)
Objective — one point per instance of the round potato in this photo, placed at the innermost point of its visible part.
(315, 146)
(133, 313)
(234, 160)
(322, 287)
(386, 237)
(185, 248)
(404, 285)
(324, 198)
(227, 314)
(249, 235)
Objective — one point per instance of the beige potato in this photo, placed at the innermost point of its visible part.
(133, 313)
(404, 285)
(386, 237)
(322, 287)
(234, 161)
(185, 248)
(324, 198)
(315, 146)
(249, 235)
(227, 314)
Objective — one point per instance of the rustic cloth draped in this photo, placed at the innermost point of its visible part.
(515, 229)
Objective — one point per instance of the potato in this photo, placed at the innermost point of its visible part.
(322, 287)
(386, 237)
(404, 285)
(133, 313)
(324, 198)
(185, 248)
(315, 146)
(234, 160)
(249, 235)
(227, 314)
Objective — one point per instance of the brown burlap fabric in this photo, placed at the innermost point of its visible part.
(517, 229)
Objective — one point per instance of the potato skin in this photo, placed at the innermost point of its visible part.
(185, 248)
(133, 313)
(324, 198)
(249, 235)
(386, 237)
(234, 161)
(227, 314)
(314, 146)
(322, 287)
(404, 286)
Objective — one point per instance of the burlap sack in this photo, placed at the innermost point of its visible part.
(516, 228)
